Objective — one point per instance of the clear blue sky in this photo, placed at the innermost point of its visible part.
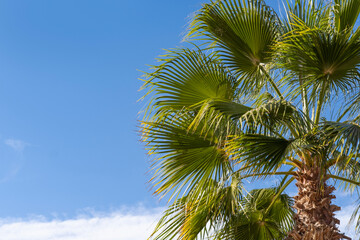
(68, 100)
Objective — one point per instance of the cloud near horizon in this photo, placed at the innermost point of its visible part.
(134, 224)
(119, 225)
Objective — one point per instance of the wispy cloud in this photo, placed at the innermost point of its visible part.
(16, 144)
(118, 225)
(344, 216)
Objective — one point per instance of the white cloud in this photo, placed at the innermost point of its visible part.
(119, 225)
(344, 216)
(15, 144)
(126, 224)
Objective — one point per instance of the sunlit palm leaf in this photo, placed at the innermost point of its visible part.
(219, 115)
(346, 134)
(347, 168)
(269, 117)
(352, 107)
(257, 221)
(258, 153)
(187, 79)
(184, 159)
(278, 113)
(244, 31)
(230, 109)
(312, 14)
(322, 63)
(326, 60)
(190, 218)
(346, 13)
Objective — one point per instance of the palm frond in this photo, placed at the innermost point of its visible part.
(267, 117)
(258, 153)
(275, 113)
(193, 218)
(346, 12)
(322, 63)
(310, 13)
(244, 32)
(352, 107)
(218, 115)
(323, 58)
(255, 222)
(346, 136)
(185, 160)
(186, 79)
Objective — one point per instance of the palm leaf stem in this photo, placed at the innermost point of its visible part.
(284, 179)
(320, 103)
(292, 164)
(269, 78)
(343, 179)
(268, 174)
(279, 193)
(304, 98)
(295, 162)
(292, 130)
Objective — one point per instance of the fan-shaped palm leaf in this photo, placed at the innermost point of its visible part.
(258, 221)
(245, 32)
(188, 78)
(183, 157)
(347, 134)
(346, 13)
(259, 153)
(191, 217)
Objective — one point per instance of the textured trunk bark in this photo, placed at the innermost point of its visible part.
(315, 218)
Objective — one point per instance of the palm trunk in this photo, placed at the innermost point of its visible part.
(315, 218)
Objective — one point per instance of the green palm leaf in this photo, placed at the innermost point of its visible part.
(186, 160)
(348, 169)
(346, 13)
(244, 29)
(324, 59)
(244, 32)
(190, 218)
(310, 13)
(257, 221)
(278, 113)
(352, 107)
(259, 153)
(187, 79)
(347, 134)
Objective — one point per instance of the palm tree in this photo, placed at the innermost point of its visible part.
(259, 94)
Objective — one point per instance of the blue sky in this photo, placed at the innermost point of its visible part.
(68, 108)
(68, 94)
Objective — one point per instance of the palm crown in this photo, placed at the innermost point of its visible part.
(257, 96)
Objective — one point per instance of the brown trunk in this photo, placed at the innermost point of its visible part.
(315, 218)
